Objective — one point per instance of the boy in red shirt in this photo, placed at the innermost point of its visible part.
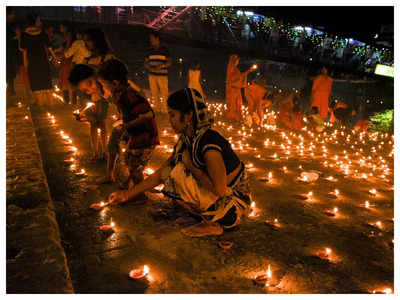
(138, 118)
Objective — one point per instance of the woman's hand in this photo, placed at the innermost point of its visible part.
(118, 197)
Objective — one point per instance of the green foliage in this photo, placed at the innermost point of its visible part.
(382, 121)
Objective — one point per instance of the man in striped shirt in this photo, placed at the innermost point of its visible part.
(157, 62)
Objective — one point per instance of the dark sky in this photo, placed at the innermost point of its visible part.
(359, 22)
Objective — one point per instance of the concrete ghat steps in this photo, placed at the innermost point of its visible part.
(36, 261)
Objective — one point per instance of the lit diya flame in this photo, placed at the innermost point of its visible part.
(325, 254)
(385, 291)
(254, 66)
(264, 279)
(82, 172)
(26, 117)
(88, 105)
(331, 178)
(252, 209)
(267, 178)
(148, 171)
(99, 206)
(333, 212)
(108, 228)
(139, 273)
(366, 204)
(334, 194)
(273, 224)
(379, 224)
(372, 192)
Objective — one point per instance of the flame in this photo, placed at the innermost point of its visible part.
(89, 104)
(328, 251)
(335, 210)
(366, 204)
(269, 273)
(388, 291)
(148, 171)
(102, 203)
(146, 270)
(112, 224)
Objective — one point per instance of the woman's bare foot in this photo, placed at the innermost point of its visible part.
(203, 229)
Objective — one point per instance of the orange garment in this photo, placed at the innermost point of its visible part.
(234, 82)
(292, 120)
(254, 94)
(362, 125)
(194, 81)
(321, 91)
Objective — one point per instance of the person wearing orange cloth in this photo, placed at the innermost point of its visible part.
(321, 91)
(255, 94)
(235, 81)
(290, 114)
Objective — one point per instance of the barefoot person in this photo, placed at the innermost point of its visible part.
(255, 95)
(194, 78)
(321, 91)
(203, 174)
(139, 123)
(235, 81)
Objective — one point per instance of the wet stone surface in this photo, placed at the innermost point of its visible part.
(100, 262)
(36, 261)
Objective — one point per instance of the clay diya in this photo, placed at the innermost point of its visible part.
(139, 273)
(225, 245)
(99, 206)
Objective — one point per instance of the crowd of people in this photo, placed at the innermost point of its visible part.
(204, 174)
(272, 37)
(293, 109)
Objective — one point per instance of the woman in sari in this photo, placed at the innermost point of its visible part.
(203, 175)
(235, 81)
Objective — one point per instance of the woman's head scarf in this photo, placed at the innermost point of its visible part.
(200, 114)
(231, 68)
